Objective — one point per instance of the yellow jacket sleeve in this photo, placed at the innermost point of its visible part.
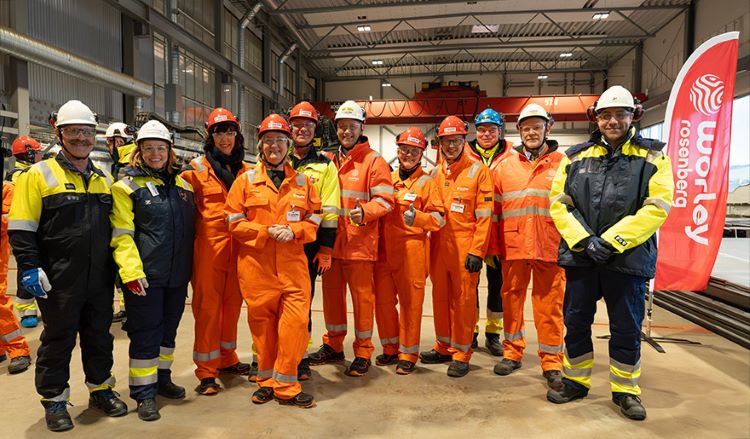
(23, 219)
(568, 220)
(123, 229)
(330, 197)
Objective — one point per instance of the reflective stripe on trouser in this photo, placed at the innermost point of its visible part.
(216, 305)
(494, 323)
(547, 301)
(25, 307)
(624, 296)
(400, 280)
(143, 372)
(12, 341)
(453, 298)
(578, 369)
(278, 324)
(358, 275)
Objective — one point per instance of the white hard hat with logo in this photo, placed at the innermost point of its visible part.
(533, 110)
(117, 129)
(350, 110)
(153, 129)
(75, 113)
(616, 96)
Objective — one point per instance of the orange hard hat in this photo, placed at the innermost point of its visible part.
(452, 125)
(25, 143)
(304, 110)
(274, 122)
(220, 115)
(412, 136)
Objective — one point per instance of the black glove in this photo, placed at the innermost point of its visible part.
(598, 249)
(473, 264)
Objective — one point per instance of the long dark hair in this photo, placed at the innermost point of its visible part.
(239, 140)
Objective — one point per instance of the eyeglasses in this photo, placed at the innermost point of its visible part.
(620, 115)
(451, 142)
(532, 128)
(275, 140)
(226, 134)
(161, 149)
(300, 125)
(352, 127)
(409, 151)
(75, 132)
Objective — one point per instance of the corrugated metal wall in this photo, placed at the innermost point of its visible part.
(88, 28)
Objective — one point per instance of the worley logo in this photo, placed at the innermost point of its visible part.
(220, 118)
(275, 126)
(707, 94)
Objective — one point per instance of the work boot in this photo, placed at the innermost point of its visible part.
(252, 376)
(56, 415)
(474, 341)
(457, 369)
(325, 355)
(386, 360)
(493, 344)
(506, 366)
(29, 321)
(303, 370)
(119, 316)
(238, 368)
(405, 367)
(359, 367)
(630, 406)
(434, 357)
(262, 395)
(171, 390)
(302, 400)
(569, 393)
(208, 387)
(19, 364)
(3, 357)
(107, 401)
(554, 379)
(147, 410)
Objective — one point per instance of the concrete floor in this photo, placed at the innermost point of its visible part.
(691, 391)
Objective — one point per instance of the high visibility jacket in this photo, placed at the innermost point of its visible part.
(621, 194)
(467, 192)
(153, 226)
(61, 224)
(252, 206)
(526, 229)
(121, 158)
(363, 175)
(323, 174)
(13, 174)
(504, 150)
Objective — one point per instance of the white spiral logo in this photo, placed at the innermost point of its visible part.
(707, 94)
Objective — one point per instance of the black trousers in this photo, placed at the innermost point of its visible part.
(494, 299)
(311, 249)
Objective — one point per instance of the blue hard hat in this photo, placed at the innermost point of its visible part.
(489, 116)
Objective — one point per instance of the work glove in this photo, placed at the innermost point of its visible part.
(598, 249)
(35, 281)
(409, 215)
(357, 215)
(493, 261)
(323, 258)
(473, 264)
(138, 286)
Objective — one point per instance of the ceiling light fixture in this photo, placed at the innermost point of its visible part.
(364, 28)
(385, 83)
(484, 28)
(601, 16)
(542, 77)
(566, 55)
(377, 62)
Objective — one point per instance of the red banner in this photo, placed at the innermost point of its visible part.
(697, 129)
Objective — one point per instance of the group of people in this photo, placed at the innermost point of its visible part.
(582, 223)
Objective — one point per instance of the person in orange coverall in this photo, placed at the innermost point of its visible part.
(457, 250)
(529, 245)
(366, 196)
(402, 263)
(216, 299)
(273, 211)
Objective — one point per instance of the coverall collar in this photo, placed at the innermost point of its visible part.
(261, 175)
(356, 151)
(409, 182)
(463, 161)
(311, 154)
(549, 146)
(597, 137)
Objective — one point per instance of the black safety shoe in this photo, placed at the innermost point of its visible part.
(107, 401)
(147, 410)
(19, 364)
(262, 395)
(386, 360)
(238, 368)
(405, 367)
(171, 390)
(434, 357)
(630, 406)
(493, 344)
(302, 400)
(303, 370)
(568, 393)
(325, 355)
(119, 316)
(457, 369)
(554, 379)
(208, 387)
(474, 341)
(506, 366)
(359, 367)
(252, 376)
(56, 415)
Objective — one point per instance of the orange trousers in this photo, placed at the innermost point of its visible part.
(358, 275)
(216, 307)
(12, 341)
(401, 279)
(547, 295)
(454, 299)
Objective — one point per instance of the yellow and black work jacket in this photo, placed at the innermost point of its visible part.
(13, 174)
(121, 158)
(153, 227)
(59, 221)
(325, 178)
(621, 194)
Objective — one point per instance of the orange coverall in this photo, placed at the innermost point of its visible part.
(467, 191)
(273, 275)
(529, 245)
(402, 264)
(216, 291)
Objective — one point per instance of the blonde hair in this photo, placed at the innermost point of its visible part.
(136, 159)
(259, 148)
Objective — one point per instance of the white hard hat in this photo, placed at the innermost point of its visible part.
(75, 113)
(616, 96)
(350, 110)
(533, 110)
(117, 129)
(153, 129)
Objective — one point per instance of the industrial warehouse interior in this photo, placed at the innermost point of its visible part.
(182, 68)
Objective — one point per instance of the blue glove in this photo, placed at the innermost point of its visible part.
(598, 249)
(35, 281)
